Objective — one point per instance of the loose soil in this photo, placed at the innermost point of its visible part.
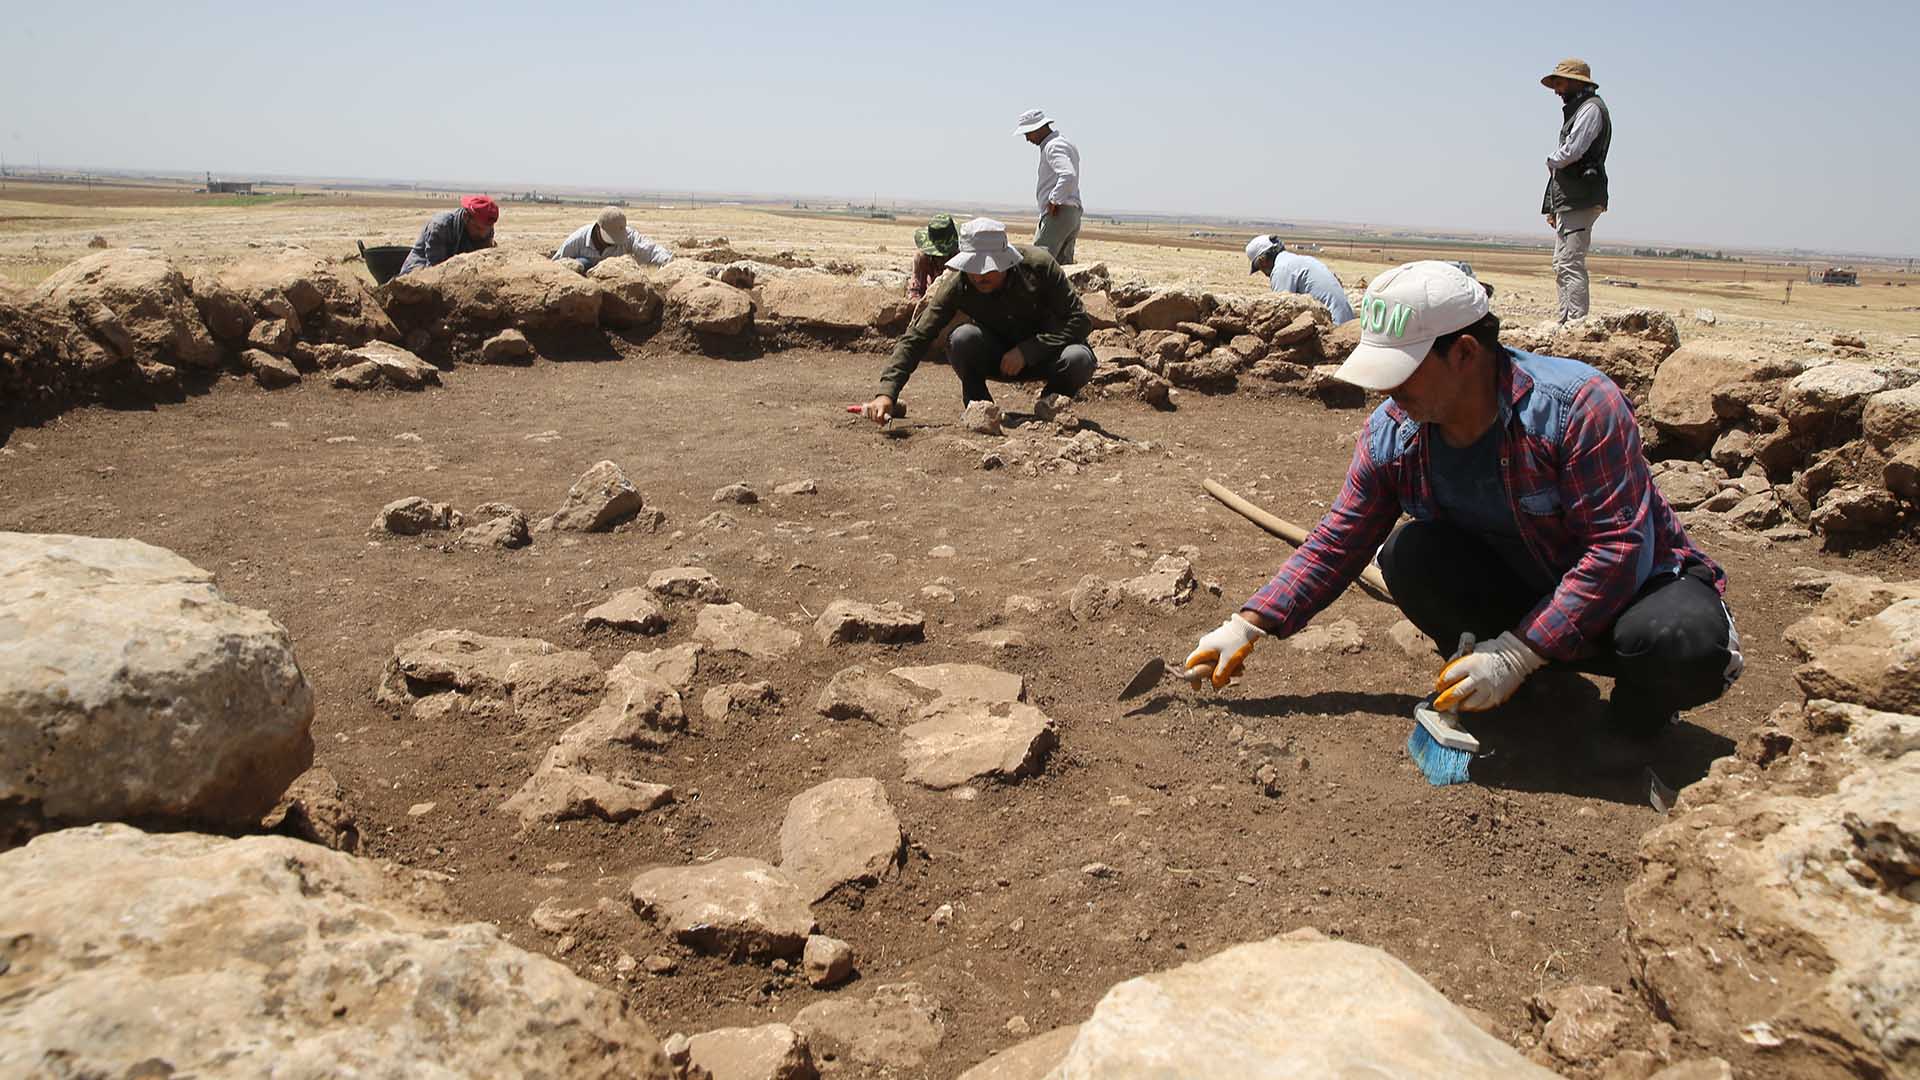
(1492, 891)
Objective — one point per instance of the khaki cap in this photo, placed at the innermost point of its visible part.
(1571, 68)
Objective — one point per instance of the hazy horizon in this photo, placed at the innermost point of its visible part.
(1238, 111)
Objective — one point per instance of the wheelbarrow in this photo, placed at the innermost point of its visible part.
(384, 261)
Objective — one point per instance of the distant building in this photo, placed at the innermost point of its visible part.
(1839, 275)
(228, 187)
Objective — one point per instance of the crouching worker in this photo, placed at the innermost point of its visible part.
(1027, 326)
(454, 232)
(1535, 525)
(590, 245)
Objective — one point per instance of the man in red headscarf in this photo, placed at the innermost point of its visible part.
(469, 228)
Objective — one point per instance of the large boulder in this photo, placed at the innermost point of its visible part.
(131, 689)
(1285, 1008)
(322, 302)
(1680, 403)
(1166, 309)
(128, 306)
(1891, 419)
(1831, 396)
(632, 296)
(35, 373)
(1871, 660)
(710, 307)
(481, 292)
(1627, 346)
(823, 303)
(380, 363)
(177, 955)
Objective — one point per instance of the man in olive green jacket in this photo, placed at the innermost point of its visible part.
(1027, 323)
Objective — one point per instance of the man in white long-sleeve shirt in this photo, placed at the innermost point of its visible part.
(1576, 179)
(1058, 192)
(609, 236)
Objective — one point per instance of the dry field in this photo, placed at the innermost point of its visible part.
(1493, 891)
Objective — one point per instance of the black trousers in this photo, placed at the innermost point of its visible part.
(975, 356)
(1672, 648)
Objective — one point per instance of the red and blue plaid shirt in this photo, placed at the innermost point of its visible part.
(1580, 491)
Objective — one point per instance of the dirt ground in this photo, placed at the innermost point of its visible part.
(1493, 891)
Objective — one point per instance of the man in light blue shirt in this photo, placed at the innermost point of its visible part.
(609, 236)
(1296, 273)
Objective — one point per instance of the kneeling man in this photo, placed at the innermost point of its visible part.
(1027, 323)
(1535, 525)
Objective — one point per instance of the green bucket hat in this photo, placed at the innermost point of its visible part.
(939, 236)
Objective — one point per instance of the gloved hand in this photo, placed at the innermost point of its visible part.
(1222, 651)
(1482, 676)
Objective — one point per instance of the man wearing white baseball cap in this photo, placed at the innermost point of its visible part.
(1293, 272)
(1536, 528)
(608, 236)
(1027, 325)
(1058, 191)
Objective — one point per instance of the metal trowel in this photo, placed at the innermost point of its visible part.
(1156, 670)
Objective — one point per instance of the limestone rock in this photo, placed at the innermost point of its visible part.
(186, 955)
(271, 336)
(854, 693)
(798, 487)
(481, 292)
(1874, 661)
(320, 301)
(1901, 474)
(957, 740)
(1033, 1059)
(1168, 584)
(1218, 1016)
(507, 347)
(560, 793)
(732, 907)
(1093, 597)
(505, 530)
(1685, 489)
(688, 582)
(378, 363)
(526, 678)
(981, 418)
(1411, 642)
(827, 962)
(1337, 343)
(1681, 400)
(846, 621)
(1582, 1021)
(630, 295)
(767, 1052)
(731, 627)
(1891, 419)
(412, 516)
(895, 1027)
(602, 498)
(128, 306)
(1338, 636)
(1168, 308)
(632, 610)
(821, 303)
(131, 688)
(314, 809)
(839, 833)
(706, 306)
(1823, 396)
(1855, 508)
(270, 371)
(966, 681)
(736, 700)
(673, 668)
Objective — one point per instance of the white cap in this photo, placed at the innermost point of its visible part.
(1031, 120)
(1257, 249)
(1403, 311)
(983, 247)
(613, 224)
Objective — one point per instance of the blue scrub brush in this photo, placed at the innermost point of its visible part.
(1440, 746)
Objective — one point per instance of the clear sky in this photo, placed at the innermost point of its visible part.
(1737, 124)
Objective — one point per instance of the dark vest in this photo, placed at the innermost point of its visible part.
(1583, 184)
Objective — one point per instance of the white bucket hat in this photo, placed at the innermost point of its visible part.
(1404, 310)
(1031, 120)
(983, 247)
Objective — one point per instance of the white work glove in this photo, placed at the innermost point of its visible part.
(1482, 676)
(1222, 651)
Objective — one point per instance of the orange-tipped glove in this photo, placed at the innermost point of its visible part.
(1222, 651)
(1482, 676)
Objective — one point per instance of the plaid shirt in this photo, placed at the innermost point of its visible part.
(1580, 491)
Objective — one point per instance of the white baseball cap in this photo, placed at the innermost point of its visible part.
(1257, 249)
(1404, 310)
(983, 247)
(1031, 120)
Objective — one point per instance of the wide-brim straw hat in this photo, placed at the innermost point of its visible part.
(1571, 68)
(983, 248)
